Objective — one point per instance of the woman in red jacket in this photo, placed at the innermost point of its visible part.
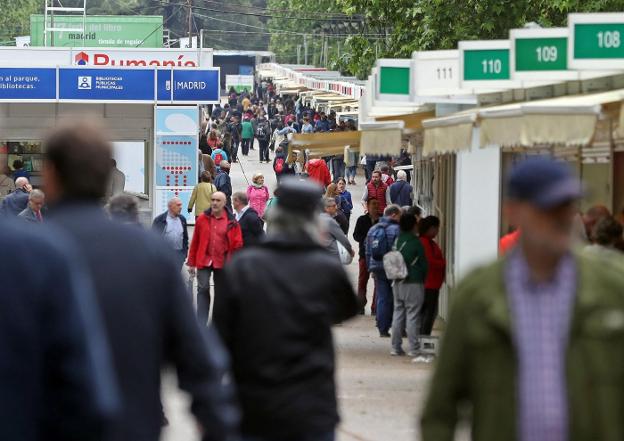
(428, 229)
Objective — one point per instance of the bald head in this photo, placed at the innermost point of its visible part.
(174, 206)
(217, 203)
(21, 182)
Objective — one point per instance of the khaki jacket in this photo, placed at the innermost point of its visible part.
(476, 369)
(200, 198)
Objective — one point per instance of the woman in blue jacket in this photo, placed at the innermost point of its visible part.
(345, 203)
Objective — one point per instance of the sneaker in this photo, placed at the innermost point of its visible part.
(397, 353)
(413, 354)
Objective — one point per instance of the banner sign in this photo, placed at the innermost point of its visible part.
(435, 73)
(240, 83)
(485, 65)
(36, 84)
(176, 161)
(596, 41)
(120, 85)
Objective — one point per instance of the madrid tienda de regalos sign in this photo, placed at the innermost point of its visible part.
(101, 31)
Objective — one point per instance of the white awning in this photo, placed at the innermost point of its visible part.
(569, 120)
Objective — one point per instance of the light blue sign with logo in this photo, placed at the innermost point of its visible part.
(196, 86)
(31, 84)
(121, 85)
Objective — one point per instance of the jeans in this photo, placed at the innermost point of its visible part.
(235, 145)
(429, 311)
(351, 172)
(363, 276)
(245, 145)
(180, 256)
(327, 436)
(408, 301)
(203, 291)
(338, 168)
(264, 150)
(385, 302)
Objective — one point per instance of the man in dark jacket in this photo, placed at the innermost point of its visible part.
(275, 319)
(171, 225)
(362, 226)
(55, 370)
(16, 202)
(401, 191)
(250, 223)
(147, 312)
(224, 183)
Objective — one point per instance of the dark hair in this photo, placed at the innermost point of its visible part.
(17, 164)
(607, 231)
(376, 172)
(414, 210)
(241, 196)
(205, 176)
(427, 223)
(81, 157)
(407, 222)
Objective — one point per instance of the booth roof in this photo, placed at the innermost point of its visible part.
(569, 120)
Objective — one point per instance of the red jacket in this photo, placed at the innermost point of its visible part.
(318, 171)
(436, 262)
(199, 244)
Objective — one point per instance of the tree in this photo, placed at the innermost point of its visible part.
(15, 18)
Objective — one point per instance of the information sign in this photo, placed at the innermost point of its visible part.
(33, 84)
(196, 85)
(435, 73)
(485, 64)
(393, 80)
(596, 41)
(106, 85)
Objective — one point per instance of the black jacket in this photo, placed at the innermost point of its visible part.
(363, 224)
(150, 323)
(252, 227)
(160, 223)
(56, 377)
(284, 294)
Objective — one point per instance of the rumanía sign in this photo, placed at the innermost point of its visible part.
(101, 31)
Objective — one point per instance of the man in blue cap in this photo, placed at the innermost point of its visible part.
(535, 342)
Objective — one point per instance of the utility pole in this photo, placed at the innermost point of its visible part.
(298, 54)
(305, 49)
(190, 20)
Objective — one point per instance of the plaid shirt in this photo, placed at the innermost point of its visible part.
(541, 315)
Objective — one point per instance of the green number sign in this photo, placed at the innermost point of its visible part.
(599, 40)
(394, 80)
(541, 54)
(486, 64)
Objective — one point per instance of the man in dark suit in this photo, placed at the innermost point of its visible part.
(56, 375)
(16, 202)
(251, 225)
(32, 213)
(171, 225)
(147, 312)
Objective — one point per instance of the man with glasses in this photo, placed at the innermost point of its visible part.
(217, 236)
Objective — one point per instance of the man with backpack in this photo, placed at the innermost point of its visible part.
(379, 242)
(263, 134)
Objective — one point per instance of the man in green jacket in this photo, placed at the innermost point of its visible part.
(534, 348)
(247, 135)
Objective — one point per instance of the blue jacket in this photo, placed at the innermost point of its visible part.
(346, 203)
(56, 374)
(401, 193)
(392, 233)
(160, 223)
(150, 324)
(15, 202)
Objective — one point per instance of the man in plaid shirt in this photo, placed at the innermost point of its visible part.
(534, 346)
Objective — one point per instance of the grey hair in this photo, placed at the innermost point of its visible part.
(328, 202)
(36, 194)
(392, 209)
(21, 182)
(401, 175)
(124, 208)
(241, 197)
(280, 221)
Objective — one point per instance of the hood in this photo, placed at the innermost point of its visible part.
(315, 163)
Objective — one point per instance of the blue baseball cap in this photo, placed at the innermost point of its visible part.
(543, 182)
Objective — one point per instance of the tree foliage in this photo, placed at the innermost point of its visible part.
(15, 18)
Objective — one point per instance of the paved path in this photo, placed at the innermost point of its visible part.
(379, 396)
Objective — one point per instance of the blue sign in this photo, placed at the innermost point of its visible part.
(196, 86)
(163, 85)
(27, 84)
(86, 84)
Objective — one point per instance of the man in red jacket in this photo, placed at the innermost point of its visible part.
(217, 235)
(428, 229)
(376, 189)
